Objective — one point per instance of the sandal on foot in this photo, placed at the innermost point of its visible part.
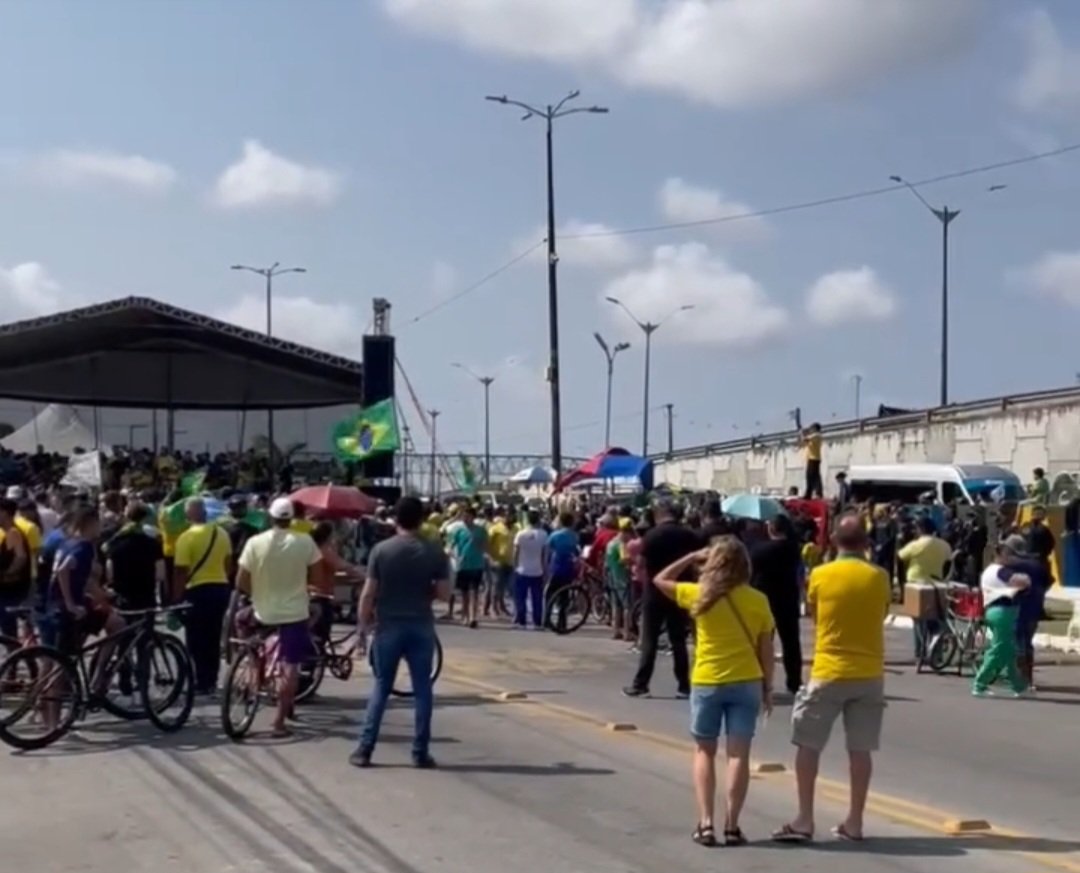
(734, 837)
(704, 835)
(842, 833)
(788, 834)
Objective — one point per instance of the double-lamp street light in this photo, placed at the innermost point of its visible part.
(610, 352)
(648, 328)
(549, 113)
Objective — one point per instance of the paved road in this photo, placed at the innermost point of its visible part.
(522, 786)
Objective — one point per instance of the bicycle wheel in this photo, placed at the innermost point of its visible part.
(311, 676)
(942, 651)
(243, 693)
(603, 607)
(400, 688)
(121, 696)
(567, 609)
(166, 682)
(40, 697)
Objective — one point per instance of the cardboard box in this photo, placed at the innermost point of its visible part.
(921, 601)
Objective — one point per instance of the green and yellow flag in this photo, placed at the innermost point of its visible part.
(192, 484)
(372, 431)
(468, 474)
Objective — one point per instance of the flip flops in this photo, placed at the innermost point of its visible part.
(842, 833)
(788, 834)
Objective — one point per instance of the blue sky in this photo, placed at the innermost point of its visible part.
(146, 146)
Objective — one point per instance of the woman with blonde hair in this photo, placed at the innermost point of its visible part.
(732, 676)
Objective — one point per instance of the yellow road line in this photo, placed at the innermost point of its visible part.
(895, 809)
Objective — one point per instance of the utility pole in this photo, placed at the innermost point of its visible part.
(434, 413)
(268, 273)
(610, 353)
(406, 446)
(486, 381)
(670, 408)
(549, 113)
(857, 381)
(945, 216)
(648, 328)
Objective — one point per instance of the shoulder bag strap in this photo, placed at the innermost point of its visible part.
(206, 555)
(749, 636)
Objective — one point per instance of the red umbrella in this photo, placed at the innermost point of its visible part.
(335, 501)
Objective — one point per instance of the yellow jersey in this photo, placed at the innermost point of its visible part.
(724, 653)
(850, 598)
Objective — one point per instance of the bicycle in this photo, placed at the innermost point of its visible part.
(337, 656)
(42, 688)
(253, 676)
(961, 639)
(566, 608)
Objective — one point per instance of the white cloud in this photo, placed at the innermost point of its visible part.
(850, 295)
(263, 178)
(1050, 82)
(722, 52)
(682, 202)
(1055, 275)
(329, 327)
(28, 290)
(549, 29)
(586, 244)
(730, 308)
(68, 167)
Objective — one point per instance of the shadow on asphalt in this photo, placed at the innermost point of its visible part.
(562, 768)
(323, 717)
(941, 847)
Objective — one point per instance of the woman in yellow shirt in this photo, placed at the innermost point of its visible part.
(732, 677)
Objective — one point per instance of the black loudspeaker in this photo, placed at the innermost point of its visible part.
(378, 385)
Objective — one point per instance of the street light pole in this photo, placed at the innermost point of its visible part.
(269, 273)
(486, 382)
(670, 408)
(857, 380)
(649, 328)
(434, 413)
(610, 354)
(945, 216)
(549, 113)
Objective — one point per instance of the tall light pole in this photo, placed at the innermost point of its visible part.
(610, 353)
(486, 382)
(856, 381)
(669, 408)
(648, 328)
(268, 273)
(434, 413)
(549, 113)
(945, 216)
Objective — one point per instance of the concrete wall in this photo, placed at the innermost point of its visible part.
(1020, 433)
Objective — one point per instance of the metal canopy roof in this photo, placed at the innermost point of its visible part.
(139, 352)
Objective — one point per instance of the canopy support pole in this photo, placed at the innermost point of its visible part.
(93, 388)
(170, 417)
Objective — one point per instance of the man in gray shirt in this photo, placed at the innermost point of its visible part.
(404, 575)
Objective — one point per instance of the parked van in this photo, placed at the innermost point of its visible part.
(963, 483)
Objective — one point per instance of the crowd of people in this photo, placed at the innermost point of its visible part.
(675, 568)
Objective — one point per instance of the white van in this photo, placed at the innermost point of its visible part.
(963, 483)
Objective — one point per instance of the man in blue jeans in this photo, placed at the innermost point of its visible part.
(405, 574)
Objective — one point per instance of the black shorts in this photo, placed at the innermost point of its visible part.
(469, 580)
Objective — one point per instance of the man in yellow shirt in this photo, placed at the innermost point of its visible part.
(501, 557)
(201, 573)
(811, 443)
(849, 600)
(927, 556)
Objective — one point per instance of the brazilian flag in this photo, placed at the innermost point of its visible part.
(372, 431)
(468, 474)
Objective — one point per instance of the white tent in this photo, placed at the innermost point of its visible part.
(57, 427)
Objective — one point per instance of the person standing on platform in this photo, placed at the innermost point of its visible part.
(811, 443)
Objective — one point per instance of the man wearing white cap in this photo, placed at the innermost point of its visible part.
(276, 568)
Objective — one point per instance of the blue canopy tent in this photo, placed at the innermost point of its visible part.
(615, 465)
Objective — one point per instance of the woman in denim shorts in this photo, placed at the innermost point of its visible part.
(732, 677)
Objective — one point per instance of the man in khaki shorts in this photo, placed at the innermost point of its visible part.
(848, 599)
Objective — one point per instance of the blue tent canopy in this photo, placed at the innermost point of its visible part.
(627, 467)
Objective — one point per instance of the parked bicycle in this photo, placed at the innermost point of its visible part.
(137, 672)
(960, 641)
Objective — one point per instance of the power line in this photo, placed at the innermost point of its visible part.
(743, 216)
(827, 201)
(479, 283)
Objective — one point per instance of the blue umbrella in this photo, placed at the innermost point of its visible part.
(752, 506)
